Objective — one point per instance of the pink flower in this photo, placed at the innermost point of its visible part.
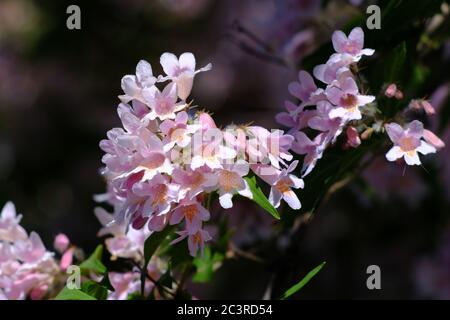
(125, 284)
(195, 241)
(192, 212)
(206, 121)
(352, 45)
(163, 104)
(296, 118)
(336, 67)
(282, 188)
(126, 242)
(181, 71)
(305, 89)
(347, 100)
(61, 242)
(177, 132)
(193, 182)
(272, 145)
(31, 250)
(230, 181)
(407, 142)
(160, 194)
(150, 152)
(132, 85)
(322, 122)
(10, 230)
(312, 149)
(353, 139)
(209, 150)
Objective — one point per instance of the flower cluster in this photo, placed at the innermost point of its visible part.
(327, 110)
(27, 269)
(341, 107)
(167, 160)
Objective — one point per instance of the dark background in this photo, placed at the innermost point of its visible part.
(58, 97)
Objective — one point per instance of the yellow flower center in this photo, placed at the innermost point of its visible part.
(190, 211)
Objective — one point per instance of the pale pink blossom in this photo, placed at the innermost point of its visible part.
(181, 71)
(322, 122)
(352, 45)
(163, 104)
(312, 149)
(196, 241)
(347, 100)
(133, 85)
(10, 230)
(282, 188)
(192, 212)
(273, 145)
(193, 182)
(160, 194)
(407, 142)
(230, 182)
(209, 150)
(177, 132)
(305, 89)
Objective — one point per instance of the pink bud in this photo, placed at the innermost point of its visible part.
(139, 222)
(398, 95)
(414, 105)
(391, 90)
(66, 259)
(206, 121)
(432, 139)
(38, 292)
(61, 242)
(422, 104)
(429, 110)
(353, 139)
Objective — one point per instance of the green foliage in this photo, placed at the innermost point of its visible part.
(260, 198)
(295, 288)
(150, 246)
(94, 289)
(73, 294)
(94, 262)
(206, 265)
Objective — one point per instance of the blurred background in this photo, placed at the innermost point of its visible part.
(58, 97)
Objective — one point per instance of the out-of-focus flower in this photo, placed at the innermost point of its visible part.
(27, 269)
(61, 242)
(353, 139)
(420, 104)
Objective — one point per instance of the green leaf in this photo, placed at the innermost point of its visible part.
(396, 64)
(94, 263)
(206, 265)
(303, 282)
(95, 290)
(73, 294)
(260, 198)
(151, 244)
